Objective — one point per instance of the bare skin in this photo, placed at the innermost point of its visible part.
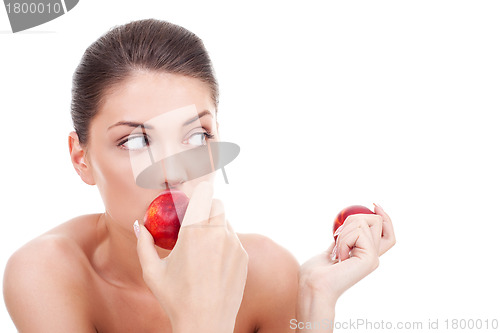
(57, 283)
(85, 275)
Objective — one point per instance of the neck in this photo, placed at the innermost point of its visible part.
(116, 253)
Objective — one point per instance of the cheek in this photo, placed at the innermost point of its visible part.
(119, 192)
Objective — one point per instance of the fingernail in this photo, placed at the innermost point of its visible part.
(339, 229)
(137, 229)
(378, 206)
(334, 253)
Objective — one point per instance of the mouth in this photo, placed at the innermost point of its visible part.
(168, 191)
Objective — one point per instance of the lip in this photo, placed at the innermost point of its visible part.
(166, 192)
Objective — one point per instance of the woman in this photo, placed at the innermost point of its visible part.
(90, 274)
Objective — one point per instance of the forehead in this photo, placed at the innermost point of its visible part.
(145, 95)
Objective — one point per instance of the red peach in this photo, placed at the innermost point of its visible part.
(164, 217)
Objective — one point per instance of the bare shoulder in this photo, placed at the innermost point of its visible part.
(55, 254)
(266, 254)
(272, 282)
(270, 265)
(62, 250)
(50, 272)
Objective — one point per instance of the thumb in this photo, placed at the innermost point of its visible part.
(146, 251)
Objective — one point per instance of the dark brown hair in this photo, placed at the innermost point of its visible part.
(139, 45)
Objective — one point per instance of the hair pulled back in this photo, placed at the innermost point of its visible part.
(150, 44)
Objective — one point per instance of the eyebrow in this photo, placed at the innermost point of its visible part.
(136, 124)
(201, 114)
(130, 124)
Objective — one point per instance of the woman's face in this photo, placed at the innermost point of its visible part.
(173, 109)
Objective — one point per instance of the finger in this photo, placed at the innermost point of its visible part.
(376, 231)
(354, 221)
(377, 241)
(200, 204)
(331, 252)
(360, 238)
(351, 220)
(345, 242)
(148, 257)
(338, 231)
(356, 245)
(388, 235)
(372, 242)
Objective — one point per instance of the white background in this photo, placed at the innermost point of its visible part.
(393, 102)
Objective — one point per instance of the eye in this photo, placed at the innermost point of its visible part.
(199, 139)
(134, 143)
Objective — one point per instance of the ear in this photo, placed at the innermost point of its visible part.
(78, 159)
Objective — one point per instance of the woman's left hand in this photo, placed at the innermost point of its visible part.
(361, 240)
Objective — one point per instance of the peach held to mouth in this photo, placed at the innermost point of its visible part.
(164, 217)
(344, 213)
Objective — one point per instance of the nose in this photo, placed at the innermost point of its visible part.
(162, 171)
(173, 172)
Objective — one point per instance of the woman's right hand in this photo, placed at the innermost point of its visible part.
(200, 283)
